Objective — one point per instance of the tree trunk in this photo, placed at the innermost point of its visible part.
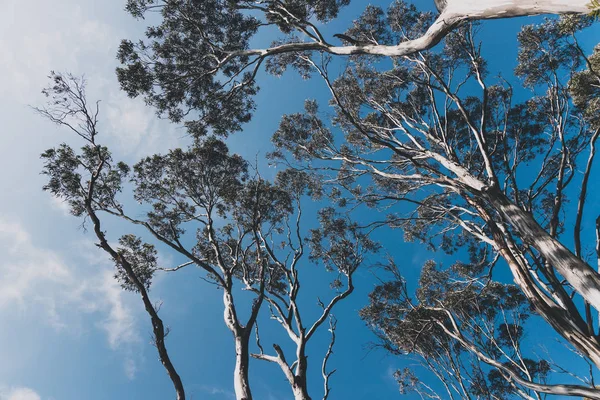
(454, 13)
(565, 324)
(300, 392)
(583, 278)
(241, 337)
(299, 386)
(240, 375)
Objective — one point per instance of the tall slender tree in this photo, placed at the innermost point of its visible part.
(89, 181)
(236, 219)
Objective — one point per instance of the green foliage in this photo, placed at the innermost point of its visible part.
(70, 174)
(491, 315)
(339, 243)
(594, 6)
(143, 260)
(585, 89)
(185, 62)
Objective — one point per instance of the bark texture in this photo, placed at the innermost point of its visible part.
(240, 378)
(584, 279)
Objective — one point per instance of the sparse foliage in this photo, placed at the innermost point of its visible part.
(235, 218)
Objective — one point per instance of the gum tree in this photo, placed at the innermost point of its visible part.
(88, 181)
(199, 56)
(472, 169)
(467, 331)
(242, 231)
(413, 134)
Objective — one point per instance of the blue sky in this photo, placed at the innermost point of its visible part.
(67, 331)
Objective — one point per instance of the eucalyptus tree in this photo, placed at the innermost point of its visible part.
(472, 169)
(199, 57)
(463, 161)
(342, 247)
(89, 181)
(468, 331)
(246, 232)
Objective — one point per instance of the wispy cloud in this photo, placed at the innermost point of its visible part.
(119, 324)
(133, 127)
(47, 43)
(60, 205)
(79, 43)
(20, 393)
(40, 282)
(130, 368)
(217, 391)
(26, 269)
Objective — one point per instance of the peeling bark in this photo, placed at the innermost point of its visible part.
(567, 324)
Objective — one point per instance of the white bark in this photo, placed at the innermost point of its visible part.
(299, 386)
(300, 393)
(490, 9)
(455, 12)
(584, 279)
(241, 383)
(240, 377)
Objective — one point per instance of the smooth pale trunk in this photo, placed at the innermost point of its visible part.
(240, 374)
(579, 274)
(300, 392)
(299, 386)
(241, 337)
(457, 11)
(555, 315)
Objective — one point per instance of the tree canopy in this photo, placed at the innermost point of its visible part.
(493, 172)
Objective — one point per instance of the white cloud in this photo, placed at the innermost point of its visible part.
(57, 36)
(60, 205)
(130, 368)
(26, 268)
(133, 128)
(38, 282)
(119, 324)
(214, 391)
(21, 393)
(63, 36)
